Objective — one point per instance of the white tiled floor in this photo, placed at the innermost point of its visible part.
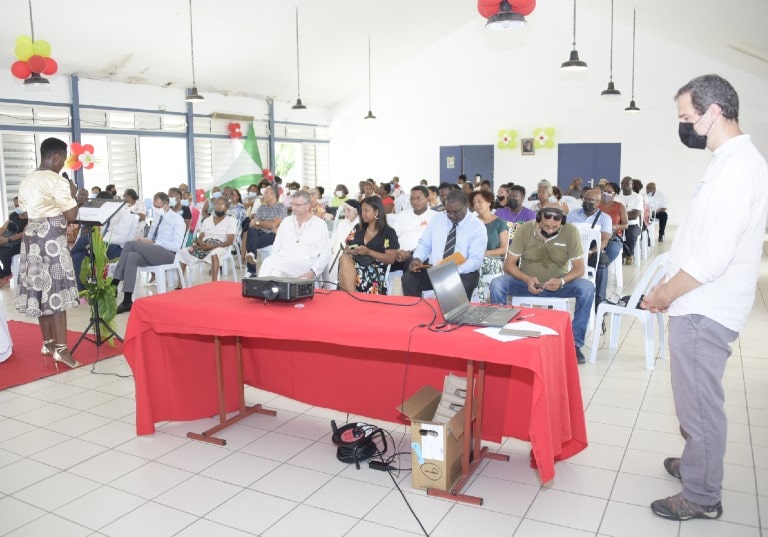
(71, 464)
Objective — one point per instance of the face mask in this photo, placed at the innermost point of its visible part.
(339, 194)
(293, 191)
(216, 195)
(252, 194)
(263, 190)
(513, 203)
(92, 196)
(19, 210)
(159, 211)
(548, 235)
(690, 137)
(185, 203)
(174, 201)
(220, 213)
(607, 198)
(588, 207)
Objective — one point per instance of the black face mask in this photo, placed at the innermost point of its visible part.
(548, 235)
(513, 203)
(588, 207)
(690, 138)
(220, 213)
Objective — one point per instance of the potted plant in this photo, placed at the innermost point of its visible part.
(99, 290)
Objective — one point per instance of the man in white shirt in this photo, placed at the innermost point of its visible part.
(634, 205)
(709, 290)
(411, 223)
(301, 248)
(657, 201)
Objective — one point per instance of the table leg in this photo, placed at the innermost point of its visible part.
(243, 412)
(473, 454)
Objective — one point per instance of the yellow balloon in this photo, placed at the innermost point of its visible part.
(24, 40)
(42, 48)
(23, 52)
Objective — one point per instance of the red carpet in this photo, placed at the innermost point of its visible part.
(26, 364)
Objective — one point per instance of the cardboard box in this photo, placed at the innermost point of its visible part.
(436, 448)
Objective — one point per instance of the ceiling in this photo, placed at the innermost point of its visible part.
(248, 47)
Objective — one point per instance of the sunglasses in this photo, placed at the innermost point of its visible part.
(547, 215)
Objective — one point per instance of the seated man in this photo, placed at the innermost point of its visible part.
(159, 248)
(410, 225)
(658, 204)
(301, 248)
(514, 211)
(610, 245)
(263, 225)
(115, 233)
(545, 248)
(455, 231)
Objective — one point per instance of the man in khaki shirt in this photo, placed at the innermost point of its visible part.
(551, 264)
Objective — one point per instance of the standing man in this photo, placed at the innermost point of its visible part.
(709, 289)
(455, 231)
(657, 201)
(46, 282)
(633, 202)
(159, 248)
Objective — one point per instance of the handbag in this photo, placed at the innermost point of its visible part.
(202, 254)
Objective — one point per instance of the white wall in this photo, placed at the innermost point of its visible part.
(466, 87)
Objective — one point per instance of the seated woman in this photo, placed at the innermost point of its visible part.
(340, 196)
(344, 229)
(136, 206)
(498, 240)
(216, 236)
(363, 266)
(547, 195)
(315, 203)
(11, 234)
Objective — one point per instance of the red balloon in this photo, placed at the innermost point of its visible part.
(20, 70)
(524, 7)
(489, 3)
(50, 66)
(487, 11)
(36, 63)
(88, 148)
(88, 166)
(76, 148)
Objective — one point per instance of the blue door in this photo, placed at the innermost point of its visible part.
(591, 162)
(466, 159)
(450, 163)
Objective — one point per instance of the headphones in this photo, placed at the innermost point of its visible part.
(563, 221)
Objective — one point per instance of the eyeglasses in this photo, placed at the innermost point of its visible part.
(294, 204)
(547, 215)
(593, 200)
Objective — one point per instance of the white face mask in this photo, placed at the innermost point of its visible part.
(216, 195)
(253, 194)
(185, 203)
(263, 190)
(293, 191)
(159, 211)
(339, 194)
(92, 196)
(174, 201)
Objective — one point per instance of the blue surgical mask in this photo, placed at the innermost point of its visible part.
(216, 195)
(19, 210)
(185, 203)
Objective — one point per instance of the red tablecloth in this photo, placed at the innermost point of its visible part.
(351, 355)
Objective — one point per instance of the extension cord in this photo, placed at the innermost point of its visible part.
(379, 465)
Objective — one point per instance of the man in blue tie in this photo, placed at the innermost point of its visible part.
(454, 231)
(159, 248)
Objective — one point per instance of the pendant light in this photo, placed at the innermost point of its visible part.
(505, 19)
(611, 91)
(35, 79)
(574, 63)
(632, 108)
(192, 94)
(370, 113)
(299, 105)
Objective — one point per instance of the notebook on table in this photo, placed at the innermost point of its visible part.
(453, 301)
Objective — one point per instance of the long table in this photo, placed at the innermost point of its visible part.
(352, 353)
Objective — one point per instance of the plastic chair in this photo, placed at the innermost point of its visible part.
(162, 271)
(15, 261)
(589, 235)
(651, 277)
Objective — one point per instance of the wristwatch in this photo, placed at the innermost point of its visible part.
(562, 283)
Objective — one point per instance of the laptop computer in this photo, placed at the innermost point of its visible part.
(454, 304)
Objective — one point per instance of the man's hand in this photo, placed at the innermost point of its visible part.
(553, 284)
(655, 301)
(307, 275)
(534, 287)
(415, 265)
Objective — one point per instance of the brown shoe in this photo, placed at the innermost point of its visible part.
(629, 260)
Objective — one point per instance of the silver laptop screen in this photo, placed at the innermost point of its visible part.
(448, 288)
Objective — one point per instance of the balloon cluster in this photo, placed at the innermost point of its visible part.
(234, 130)
(33, 57)
(489, 8)
(80, 157)
(267, 174)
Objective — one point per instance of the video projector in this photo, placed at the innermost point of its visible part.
(278, 289)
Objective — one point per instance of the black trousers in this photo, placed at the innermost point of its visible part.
(416, 282)
(630, 239)
(662, 218)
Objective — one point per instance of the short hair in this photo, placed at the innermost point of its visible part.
(278, 180)
(637, 185)
(486, 182)
(386, 187)
(712, 89)
(557, 192)
(110, 187)
(131, 193)
(162, 196)
(105, 195)
(433, 188)
(343, 188)
(487, 196)
(545, 184)
(301, 194)
(95, 188)
(462, 177)
(320, 190)
(313, 190)
(615, 187)
(444, 185)
(173, 190)
(456, 195)
(422, 189)
(262, 184)
(518, 188)
(52, 146)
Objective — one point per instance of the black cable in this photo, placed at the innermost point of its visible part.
(397, 486)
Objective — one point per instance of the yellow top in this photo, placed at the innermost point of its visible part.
(44, 193)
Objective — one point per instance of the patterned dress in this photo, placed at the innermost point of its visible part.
(371, 274)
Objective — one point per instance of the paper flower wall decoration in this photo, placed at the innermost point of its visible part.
(80, 157)
(267, 174)
(34, 57)
(507, 139)
(544, 138)
(234, 130)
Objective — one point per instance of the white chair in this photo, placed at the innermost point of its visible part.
(161, 272)
(15, 261)
(571, 202)
(651, 277)
(589, 235)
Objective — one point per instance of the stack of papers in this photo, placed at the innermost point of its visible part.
(521, 326)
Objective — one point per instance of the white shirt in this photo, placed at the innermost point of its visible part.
(227, 226)
(723, 253)
(633, 202)
(119, 227)
(308, 241)
(657, 201)
(409, 226)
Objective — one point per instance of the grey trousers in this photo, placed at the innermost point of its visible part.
(139, 254)
(699, 349)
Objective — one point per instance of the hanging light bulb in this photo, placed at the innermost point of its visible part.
(505, 19)
(370, 113)
(574, 63)
(611, 91)
(299, 105)
(632, 108)
(192, 95)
